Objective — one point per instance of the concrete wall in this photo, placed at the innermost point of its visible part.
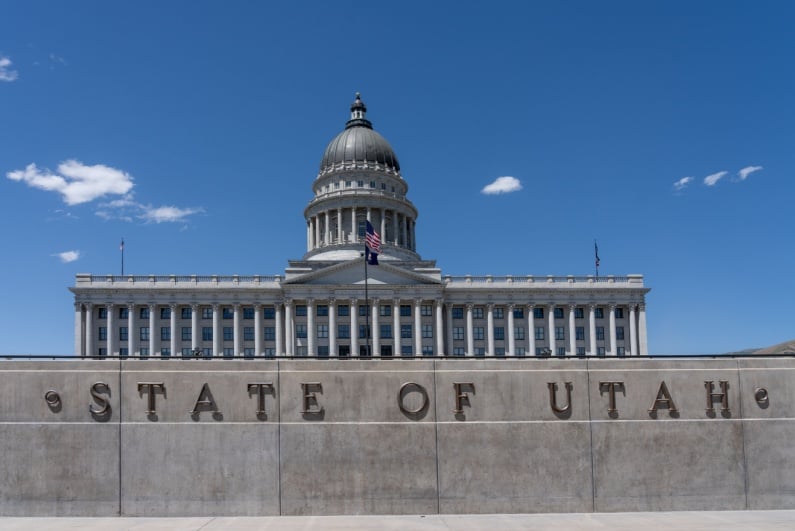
(394, 436)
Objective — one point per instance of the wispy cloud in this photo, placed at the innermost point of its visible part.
(168, 214)
(682, 183)
(127, 209)
(712, 180)
(76, 182)
(68, 256)
(748, 170)
(6, 74)
(502, 185)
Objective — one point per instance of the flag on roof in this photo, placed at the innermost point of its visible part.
(372, 244)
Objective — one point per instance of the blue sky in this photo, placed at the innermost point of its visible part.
(194, 130)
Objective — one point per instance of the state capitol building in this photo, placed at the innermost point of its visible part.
(318, 307)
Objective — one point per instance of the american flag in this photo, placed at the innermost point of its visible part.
(373, 242)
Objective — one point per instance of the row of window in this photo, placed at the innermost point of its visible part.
(353, 184)
(538, 313)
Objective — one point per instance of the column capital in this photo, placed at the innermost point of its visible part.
(417, 302)
(530, 306)
(310, 302)
(173, 306)
(89, 306)
(551, 305)
(258, 306)
(642, 306)
(611, 306)
(354, 302)
(236, 306)
(287, 303)
(439, 303)
(375, 302)
(592, 305)
(572, 306)
(396, 301)
(194, 307)
(470, 306)
(510, 306)
(152, 307)
(490, 306)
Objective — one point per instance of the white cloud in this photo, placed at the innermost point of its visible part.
(76, 182)
(748, 170)
(6, 74)
(167, 214)
(712, 180)
(502, 185)
(68, 256)
(682, 183)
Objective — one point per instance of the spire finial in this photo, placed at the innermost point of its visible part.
(358, 110)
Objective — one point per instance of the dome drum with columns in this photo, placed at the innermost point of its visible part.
(318, 307)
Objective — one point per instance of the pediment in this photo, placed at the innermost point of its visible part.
(352, 273)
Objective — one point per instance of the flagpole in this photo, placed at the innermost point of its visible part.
(122, 257)
(596, 257)
(366, 300)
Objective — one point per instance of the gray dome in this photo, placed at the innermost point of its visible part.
(359, 143)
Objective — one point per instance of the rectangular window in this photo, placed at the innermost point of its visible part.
(518, 332)
(144, 352)
(383, 186)
(322, 351)
(426, 310)
(427, 350)
(207, 353)
(372, 184)
(144, 333)
(207, 333)
(363, 309)
(538, 313)
(228, 313)
(248, 352)
(480, 351)
(347, 184)
(560, 333)
(344, 350)
(124, 312)
(427, 331)
(520, 351)
(600, 333)
(343, 310)
(561, 351)
(322, 331)
(600, 351)
(620, 351)
(248, 333)
(518, 313)
(499, 351)
(364, 332)
(122, 333)
(406, 350)
(619, 313)
(248, 313)
(269, 333)
(540, 333)
(477, 333)
(229, 352)
(385, 310)
(364, 351)
(344, 331)
(386, 331)
(619, 332)
(458, 351)
(386, 351)
(477, 313)
(300, 310)
(165, 313)
(322, 310)
(458, 333)
(360, 184)
(165, 333)
(405, 331)
(228, 333)
(102, 313)
(405, 310)
(207, 313)
(580, 331)
(124, 352)
(300, 331)
(186, 353)
(458, 312)
(499, 333)
(498, 313)
(269, 312)
(103, 333)
(600, 313)
(143, 313)
(270, 352)
(540, 351)
(579, 313)
(581, 351)
(165, 352)
(558, 313)
(185, 312)
(186, 333)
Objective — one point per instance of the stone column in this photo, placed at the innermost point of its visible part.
(278, 326)
(643, 346)
(194, 328)
(236, 332)
(327, 229)
(80, 327)
(511, 334)
(417, 328)
(111, 322)
(450, 342)
(339, 225)
(152, 327)
(317, 231)
(309, 245)
(354, 234)
(551, 326)
(332, 327)
(612, 350)
(258, 331)
(395, 226)
(311, 331)
(490, 328)
(470, 331)
(376, 333)
(173, 325)
(132, 344)
(217, 333)
(89, 329)
(531, 330)
(633, 332)
(572, 331)
(289, 337)
(413, 235)
(354, 327)
(440, 351)
(592, 329)
(396, 326)
(404, 230)
(383, 225)
(369, 213)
